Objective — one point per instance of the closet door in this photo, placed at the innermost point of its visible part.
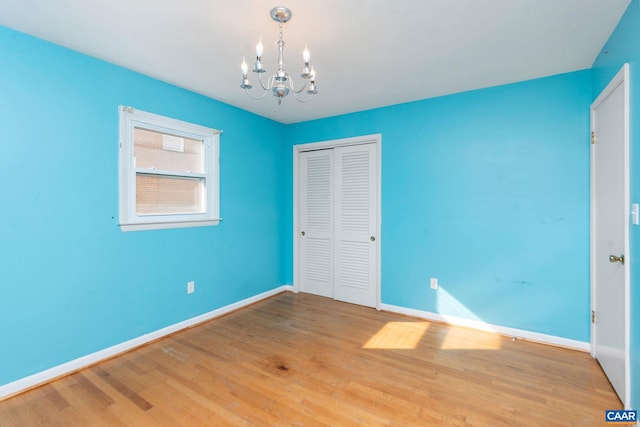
(316, 222)
(355, 224)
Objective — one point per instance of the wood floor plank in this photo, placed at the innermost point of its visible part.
(122, 388)
(303, 360)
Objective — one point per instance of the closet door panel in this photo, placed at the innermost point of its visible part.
(316, 222)
(355, 224)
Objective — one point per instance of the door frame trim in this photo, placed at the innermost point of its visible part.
(324, 145)
(621, 78)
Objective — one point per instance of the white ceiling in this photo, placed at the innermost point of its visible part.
(367, 53)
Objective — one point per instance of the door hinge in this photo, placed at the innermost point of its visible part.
(593, 316)
(593, 137)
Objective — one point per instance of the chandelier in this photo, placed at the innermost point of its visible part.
(280, 83)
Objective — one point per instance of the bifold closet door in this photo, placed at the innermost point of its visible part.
(355, 224)
(338, 222)
(316, 222)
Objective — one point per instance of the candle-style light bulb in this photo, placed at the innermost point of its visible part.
(312, 74)
(306, 56)
(259, 48)
(244, 67)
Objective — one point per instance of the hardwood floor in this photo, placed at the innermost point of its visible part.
(302, 360)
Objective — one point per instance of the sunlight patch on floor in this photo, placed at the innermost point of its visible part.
(471, 340)
(398, 336)
(461, 315)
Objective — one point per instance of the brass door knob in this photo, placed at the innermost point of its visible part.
(613, 258)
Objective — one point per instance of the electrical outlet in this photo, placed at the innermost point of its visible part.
(191, 287)
(434, 283)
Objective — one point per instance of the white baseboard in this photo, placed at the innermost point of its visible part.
(482, 326)
(67, 368)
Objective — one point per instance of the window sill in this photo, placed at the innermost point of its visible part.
(165, 225)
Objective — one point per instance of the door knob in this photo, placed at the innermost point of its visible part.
(373, 238)
(303, 233)
(613, 258)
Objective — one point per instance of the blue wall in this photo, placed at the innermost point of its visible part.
(71, 283)
(489, 192)
(486, 190)
(624, 46)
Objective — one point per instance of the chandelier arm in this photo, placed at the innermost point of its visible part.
(304, 86)
(293, 89)
(304, 101)
(269, 82)
(256, 97)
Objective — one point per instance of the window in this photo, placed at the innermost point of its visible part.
(169, 172)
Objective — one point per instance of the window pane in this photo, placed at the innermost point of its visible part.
(168, 152)
(161, 195)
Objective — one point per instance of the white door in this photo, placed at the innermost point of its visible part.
(316, 222)
(356, 224)
(609, 228)
(337, 211)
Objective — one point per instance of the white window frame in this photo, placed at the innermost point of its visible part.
(130, 119)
